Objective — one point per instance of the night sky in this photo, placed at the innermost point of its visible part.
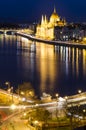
(26, 11)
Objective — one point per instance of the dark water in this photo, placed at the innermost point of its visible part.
(51, 69)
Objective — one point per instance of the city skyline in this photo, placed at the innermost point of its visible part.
(24, 11)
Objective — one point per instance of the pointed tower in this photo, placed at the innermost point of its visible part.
(54, 9)
(54, 18)
(42, 20)
(45, 20)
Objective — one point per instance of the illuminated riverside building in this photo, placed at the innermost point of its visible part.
(70, 32)
(45, 30)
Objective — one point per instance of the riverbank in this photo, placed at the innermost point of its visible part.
(52, 42)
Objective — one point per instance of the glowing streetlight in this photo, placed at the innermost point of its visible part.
(22, 93)
(57, 95)
(23, 99)
(36, 124)
(8, 84)
(25, 114)
(79, 91)
(13, 107)
(84, 110)
(66, 97)
(12, 93)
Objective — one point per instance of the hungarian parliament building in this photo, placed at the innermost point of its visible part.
(45, 30)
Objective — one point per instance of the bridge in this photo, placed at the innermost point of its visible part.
(13, 31)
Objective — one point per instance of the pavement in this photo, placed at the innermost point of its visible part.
(14, 123)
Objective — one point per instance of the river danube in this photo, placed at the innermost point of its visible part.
(51, 69)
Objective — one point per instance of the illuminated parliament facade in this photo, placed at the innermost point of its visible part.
(45, 30)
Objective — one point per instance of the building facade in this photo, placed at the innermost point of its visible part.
(45, 30)
(71, 32)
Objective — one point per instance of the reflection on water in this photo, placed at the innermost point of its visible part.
(49, 68)
(46, 66)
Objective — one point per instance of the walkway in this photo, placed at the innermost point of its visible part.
(60, 43)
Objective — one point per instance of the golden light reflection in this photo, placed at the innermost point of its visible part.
(84, 40)
(47, 66)
(84, 62)
(74, 59)
(77, 62)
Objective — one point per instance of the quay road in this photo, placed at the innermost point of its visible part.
(75, 100)
(13, 97)
(52, 42)
(78, 99)
(15, 123)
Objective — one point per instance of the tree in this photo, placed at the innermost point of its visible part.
(39, 114)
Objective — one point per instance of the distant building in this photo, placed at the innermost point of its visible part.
(70, 32)
(45, 30)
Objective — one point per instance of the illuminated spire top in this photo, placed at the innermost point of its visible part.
(42, 21)
(54, 17)
(54, 9)
(45, 19)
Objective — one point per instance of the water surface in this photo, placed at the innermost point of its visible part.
(51, 69)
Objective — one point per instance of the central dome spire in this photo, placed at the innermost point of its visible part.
(54, 9)
(54, 17)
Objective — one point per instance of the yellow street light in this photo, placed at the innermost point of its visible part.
(66, 97)
(25, 114)
(84, 110)
(57, 95)
(13, 107)
(36, 122)
(8, 83)
(79, 91)
(22, 93)
(37, 105)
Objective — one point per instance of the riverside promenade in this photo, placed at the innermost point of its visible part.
(53, 42)
(75, 100)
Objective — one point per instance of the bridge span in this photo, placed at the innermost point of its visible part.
(13, 31)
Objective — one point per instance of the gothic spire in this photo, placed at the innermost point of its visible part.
(42, 21)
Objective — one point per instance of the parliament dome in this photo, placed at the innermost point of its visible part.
(54, 17)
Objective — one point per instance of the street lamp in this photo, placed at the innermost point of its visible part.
(66, 98)
(36, 124)
(57, 95)
(66, 105)
(84, 113)
(8, 84)
(13, 107)
(22, 93)
(24, 114)
(12, 93)
(79, 91)
(9, 89)
(84, 110)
